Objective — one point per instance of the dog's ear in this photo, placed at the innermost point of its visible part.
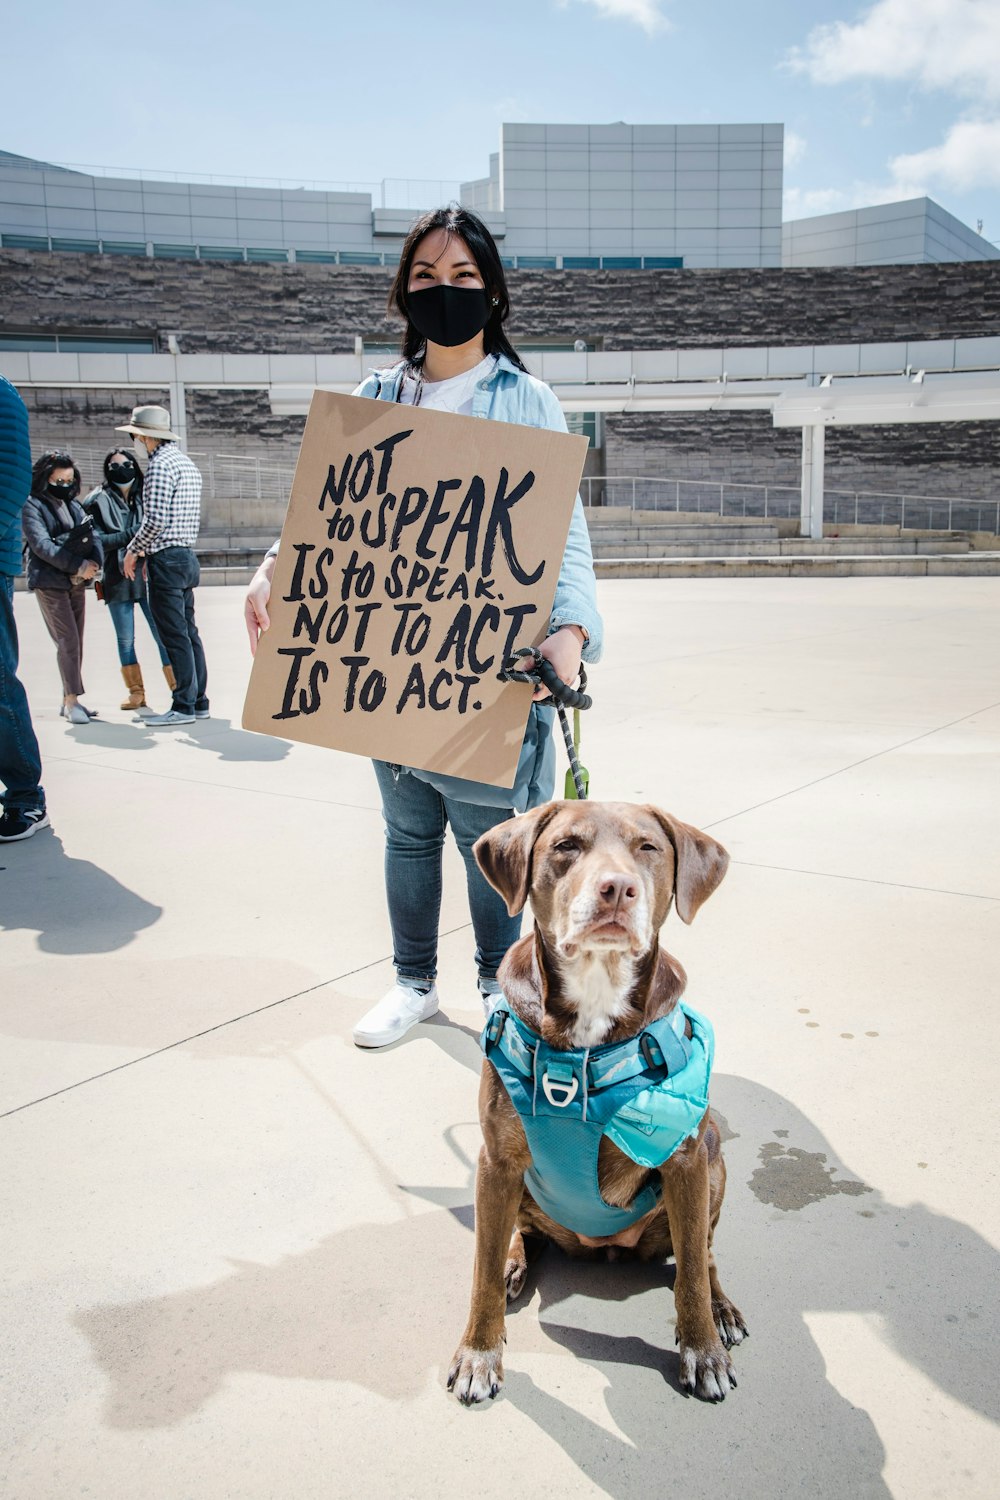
(504, 854)
(700, 863)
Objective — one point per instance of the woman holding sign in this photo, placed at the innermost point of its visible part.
(451, 292)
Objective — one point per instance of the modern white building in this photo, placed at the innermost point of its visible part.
(915, 231)
(557, 196)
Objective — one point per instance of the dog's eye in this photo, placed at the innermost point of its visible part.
(648, 848)
(566, 846)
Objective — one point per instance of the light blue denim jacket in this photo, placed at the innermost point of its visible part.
(508, 394)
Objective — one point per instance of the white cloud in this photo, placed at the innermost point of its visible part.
(644, 13)
(795, 148)
(968, 157)
(943, 44)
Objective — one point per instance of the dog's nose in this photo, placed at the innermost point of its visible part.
(617, 890)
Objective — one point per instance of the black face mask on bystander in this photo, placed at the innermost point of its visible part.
(121, 473)
(62, 492)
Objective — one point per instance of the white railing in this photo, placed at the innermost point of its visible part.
(781, 501)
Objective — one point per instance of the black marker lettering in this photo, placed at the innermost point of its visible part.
(463, 697)
(319, 672)
(338, 624)
(311, 624)
(436, 517)
(456, 636)
(378, 540)
(443, 678)
(365, 466)
(414, 689)
(489, 615)
(517, 613)
(468, 519)
(394, 582)
(302, 548)
(334, 487)
(364, 613)
(319, 587)
(409, 513)
(503, 504)
(386, 448)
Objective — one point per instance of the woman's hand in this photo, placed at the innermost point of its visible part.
(255, 606)
(564, 650)
(87, 571)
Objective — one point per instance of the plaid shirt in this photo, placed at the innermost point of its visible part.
(171, 498)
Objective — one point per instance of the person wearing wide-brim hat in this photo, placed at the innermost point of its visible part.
(172, 516)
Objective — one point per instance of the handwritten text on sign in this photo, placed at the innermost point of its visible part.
(419, 550)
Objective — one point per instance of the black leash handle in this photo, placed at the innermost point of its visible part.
(544, 674)
(563, 696)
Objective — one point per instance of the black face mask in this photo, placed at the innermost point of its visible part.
(62, 491)
(448, 315)
(121, 473)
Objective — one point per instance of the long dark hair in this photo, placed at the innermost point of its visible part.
(43, 468)
(135, 492)
(483, 249)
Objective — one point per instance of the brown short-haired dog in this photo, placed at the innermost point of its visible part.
(601, 878)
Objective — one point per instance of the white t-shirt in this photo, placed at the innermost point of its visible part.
(448, 395)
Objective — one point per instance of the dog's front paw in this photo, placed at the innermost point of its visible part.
(476, 1374)
(729, 1321)
(707, 1372)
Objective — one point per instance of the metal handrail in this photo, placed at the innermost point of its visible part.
(782, 501)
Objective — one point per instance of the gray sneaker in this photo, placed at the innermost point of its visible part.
(172, 719)
(77, 714)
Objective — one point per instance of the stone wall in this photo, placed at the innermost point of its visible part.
(322, 309)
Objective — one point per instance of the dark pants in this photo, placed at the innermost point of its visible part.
(63, 611)
(173, 577)
(20, 763)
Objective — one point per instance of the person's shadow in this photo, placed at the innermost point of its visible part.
(74, 905)
(835, 1246)
(215, 735)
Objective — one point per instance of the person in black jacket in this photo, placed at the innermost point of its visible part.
(115, 507)
(61, 555)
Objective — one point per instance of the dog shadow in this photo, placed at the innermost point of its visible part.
(837, 1247)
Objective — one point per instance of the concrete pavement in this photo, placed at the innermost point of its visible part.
(237, 1249)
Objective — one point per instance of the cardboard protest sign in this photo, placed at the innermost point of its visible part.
(419, 550)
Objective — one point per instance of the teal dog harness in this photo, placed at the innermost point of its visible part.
(647, 1094)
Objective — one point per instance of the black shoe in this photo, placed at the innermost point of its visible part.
(18, 823)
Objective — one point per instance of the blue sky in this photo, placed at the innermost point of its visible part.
(881, 100)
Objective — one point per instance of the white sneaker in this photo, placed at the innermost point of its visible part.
(394, 1014)
(490, 999)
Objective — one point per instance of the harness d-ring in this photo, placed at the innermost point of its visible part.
(568, 1086)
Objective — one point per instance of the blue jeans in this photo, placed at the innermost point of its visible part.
(416, 817)
(122, 612)
(20, 762)
(173, 577)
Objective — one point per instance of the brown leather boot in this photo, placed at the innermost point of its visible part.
(168, 673)
(136, 692)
